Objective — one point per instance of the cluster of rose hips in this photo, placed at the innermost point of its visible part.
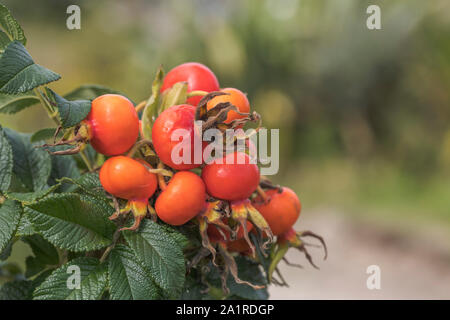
(227, 200)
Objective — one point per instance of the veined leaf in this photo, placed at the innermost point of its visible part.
(27, 198)
(161, 254)
(59, 285)
(6, 161)
(70, 112)
(17, 290)
(88, 183)
(25, 227)
(72, 221)
(19, 73)
(128, 277)
(10, 212)
(11, 28)
(32, 165)
(13, 103)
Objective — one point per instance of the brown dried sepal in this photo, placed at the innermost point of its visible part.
(213, 213)
(78, 139)
(138, 208)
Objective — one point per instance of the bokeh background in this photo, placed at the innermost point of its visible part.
(364, 116)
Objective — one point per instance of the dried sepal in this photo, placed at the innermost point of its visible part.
(243, 211)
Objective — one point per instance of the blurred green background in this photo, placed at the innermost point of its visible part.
(364, 116)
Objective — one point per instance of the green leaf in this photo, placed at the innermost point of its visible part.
(32, 165)
(174, 96)
(161, 254)
(4, 40)
(63, 166)
(73, 222)
(70, 112)
(88, 183)
(4, 255)
(151, 108)
(10, 213)
(6, 161)
(14, 103)
(59, 285)
(43, 134)
(10, 26)
(25, 227)
(17, 290)
(43, 249)
(128, 277)
(27, 198)
(19, 73)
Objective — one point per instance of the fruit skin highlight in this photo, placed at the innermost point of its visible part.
(231, 181)
(113, 124)
(182, 199)
(281, 211)
(235, 97)
(176, 117)
(198, 77)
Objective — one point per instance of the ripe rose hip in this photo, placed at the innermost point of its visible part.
(113, 124)
(198, 77)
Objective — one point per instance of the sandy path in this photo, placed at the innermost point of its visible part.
(414, 264)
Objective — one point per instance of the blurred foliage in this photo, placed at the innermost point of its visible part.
(363, 114)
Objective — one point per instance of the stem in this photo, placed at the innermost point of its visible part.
(262, 194)
(140, 106)
(110, 247)
(197, 93)
(161, 181)
(86, 160)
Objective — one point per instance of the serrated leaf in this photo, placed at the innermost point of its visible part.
(42, 249)
(6, 161)
(4, 255)
(25, 227)
(10, 213)
(13, 103)
(88, 183)
(30, 197)
(32, 165)
(93, 282)
(150, 111)
(70, 112)
(161, 254)
(90, 92)
(129, 278)
(73, 222)
(16, 290)
(12, 29)
(4, 40)
(19, 73)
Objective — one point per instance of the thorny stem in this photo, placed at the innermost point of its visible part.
(53, 114)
